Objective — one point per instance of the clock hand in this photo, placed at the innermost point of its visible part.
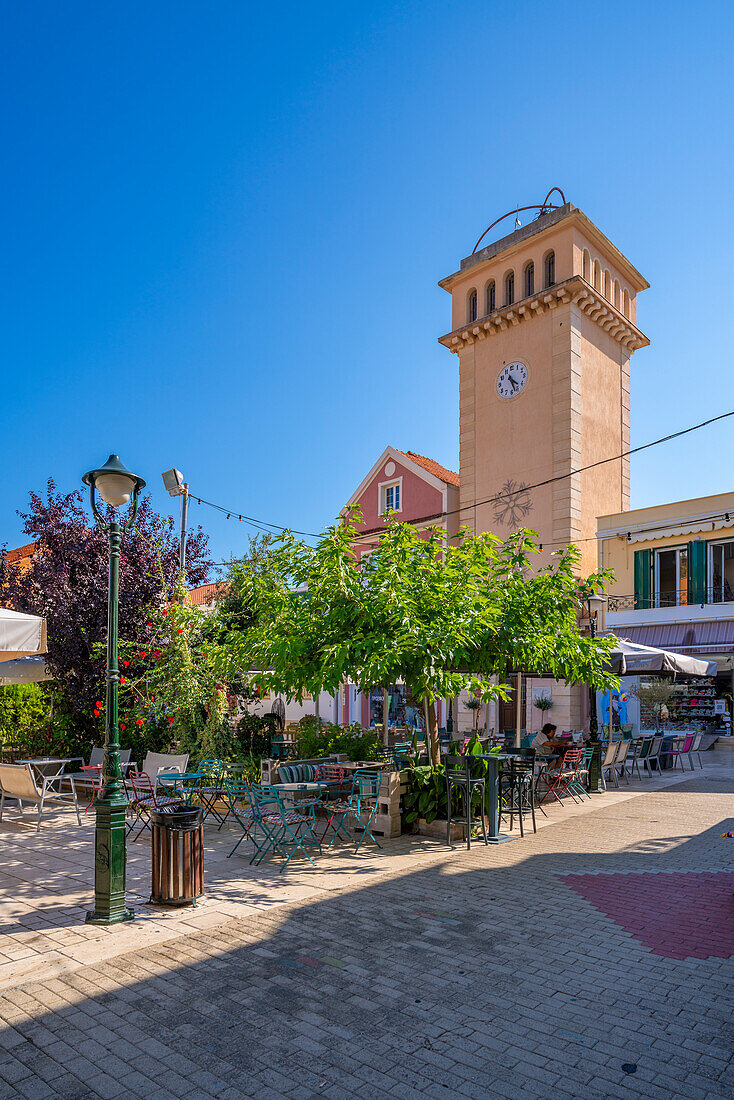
(512, 381)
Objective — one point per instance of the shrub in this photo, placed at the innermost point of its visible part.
(426, 794)
(255, 733)
(39, 720)
(316, 739)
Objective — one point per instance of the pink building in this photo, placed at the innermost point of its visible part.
(420, 491)
(417, 488)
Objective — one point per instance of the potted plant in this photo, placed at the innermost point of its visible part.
(474, 704)
(654, 696)
(543, 703)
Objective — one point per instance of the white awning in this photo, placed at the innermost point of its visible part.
(20, 635)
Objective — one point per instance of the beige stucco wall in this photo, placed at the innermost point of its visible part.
(574, 411)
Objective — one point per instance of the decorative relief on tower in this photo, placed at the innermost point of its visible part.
(512, 503)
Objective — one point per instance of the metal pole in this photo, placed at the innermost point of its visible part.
(429, 749)
(184, 514)
(595, 779)
(518, 710)
(110, 851)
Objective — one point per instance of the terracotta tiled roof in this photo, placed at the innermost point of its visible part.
(204, 594)
(433, 467)
(20, 553)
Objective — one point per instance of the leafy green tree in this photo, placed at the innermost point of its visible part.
(441, 618)
(171, 680)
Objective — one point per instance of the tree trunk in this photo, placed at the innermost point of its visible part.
(432, 741)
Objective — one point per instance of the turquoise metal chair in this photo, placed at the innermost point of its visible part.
(360, 808)
(285, 829)
(579, 782)
(240, 807)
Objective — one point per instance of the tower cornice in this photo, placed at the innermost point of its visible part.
(504, 249)
(575, 290)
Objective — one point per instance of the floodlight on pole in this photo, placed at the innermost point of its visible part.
(176, 486)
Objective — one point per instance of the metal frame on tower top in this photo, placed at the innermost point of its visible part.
(543, 207)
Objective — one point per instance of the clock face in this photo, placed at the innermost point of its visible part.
(512, 380)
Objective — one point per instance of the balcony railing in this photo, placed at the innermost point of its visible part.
(713, 595)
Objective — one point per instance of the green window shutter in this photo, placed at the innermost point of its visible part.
(643, 577)
(697, 571)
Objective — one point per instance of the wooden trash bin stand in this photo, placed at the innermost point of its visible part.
(177, 839)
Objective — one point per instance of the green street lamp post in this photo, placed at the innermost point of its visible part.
(115, 485)
(595, 778)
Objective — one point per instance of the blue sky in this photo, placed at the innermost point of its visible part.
(223, 225)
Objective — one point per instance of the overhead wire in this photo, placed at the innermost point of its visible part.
(270, 528)
(580, 470)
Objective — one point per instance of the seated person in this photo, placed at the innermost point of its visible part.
(542, 740)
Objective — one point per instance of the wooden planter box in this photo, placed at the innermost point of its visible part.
(437, 829)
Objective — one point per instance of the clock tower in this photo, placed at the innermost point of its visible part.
(544, 326)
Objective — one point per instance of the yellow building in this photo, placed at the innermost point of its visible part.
(674, 565)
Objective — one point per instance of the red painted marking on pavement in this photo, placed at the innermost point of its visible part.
(678, 915)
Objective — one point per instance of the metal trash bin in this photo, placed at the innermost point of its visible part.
(178, 855)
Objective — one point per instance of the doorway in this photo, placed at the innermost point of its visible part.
(508, 708)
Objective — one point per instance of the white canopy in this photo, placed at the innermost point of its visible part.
(630, 658)
(20, 635)
(26, 670)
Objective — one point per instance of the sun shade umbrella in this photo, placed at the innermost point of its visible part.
(630, 658)
(20, 635)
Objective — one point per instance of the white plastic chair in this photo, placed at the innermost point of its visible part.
(157, 763)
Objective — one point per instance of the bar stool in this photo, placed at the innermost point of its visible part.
(458, 778)
(517, 787)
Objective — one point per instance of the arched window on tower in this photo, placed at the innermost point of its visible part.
(607, 286)
(626, 303)
(550, 268)
(616, 294)
(586, 266)
(528, 280)
(509, 288)
(491, 296)
(597, 275)
(471, 306)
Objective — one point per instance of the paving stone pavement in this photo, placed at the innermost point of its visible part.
(501, 972)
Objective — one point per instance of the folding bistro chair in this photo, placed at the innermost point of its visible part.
(143, 799)
(360, 807)
(579, 782)
(286, 830)
(560, 780)
(336, 806)
(209, 789)
(241, 808)
(610, 753)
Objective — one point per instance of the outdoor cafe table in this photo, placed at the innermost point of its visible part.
(292, 790)
(493, 792)
(48, 766)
